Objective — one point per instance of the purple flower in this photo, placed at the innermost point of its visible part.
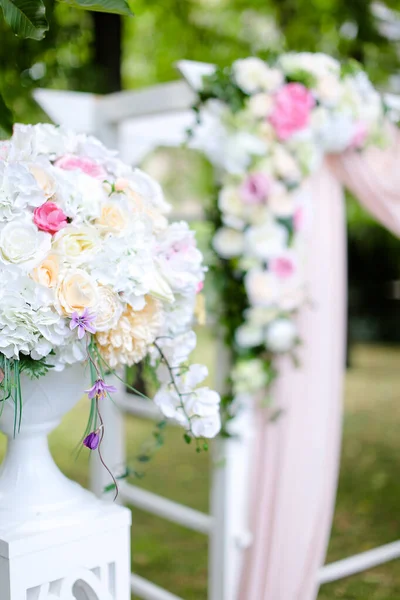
(92, 440)
(100, 389)
(83, 322)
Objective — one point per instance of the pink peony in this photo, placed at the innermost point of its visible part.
(255, 189)
(49, 217)
(199, 288)
(359, 136)
(282, 266)
(293, 104)
(70, 162)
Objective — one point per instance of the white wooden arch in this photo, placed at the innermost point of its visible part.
(136, 122)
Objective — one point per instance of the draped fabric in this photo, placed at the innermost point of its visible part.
(296, 458)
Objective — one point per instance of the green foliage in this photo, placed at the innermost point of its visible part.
(118, 7)
(219, 85)
(6, 119)
(33, 368)
(25, 17)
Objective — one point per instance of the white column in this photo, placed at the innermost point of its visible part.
(230, 535)
(88, 560)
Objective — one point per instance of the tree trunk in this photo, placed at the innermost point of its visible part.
(108, 29)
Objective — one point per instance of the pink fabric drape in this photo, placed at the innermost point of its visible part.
(296, 459)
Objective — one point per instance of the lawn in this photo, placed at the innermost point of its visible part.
(368, 500)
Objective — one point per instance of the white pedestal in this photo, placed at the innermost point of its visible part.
(89, 560)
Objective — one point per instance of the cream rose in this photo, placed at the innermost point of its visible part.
(261, 105)
(76, 244)
(262, 287)
(77, 291)
(112, 218)
(22, 243)
(47, 272)
(108, 309)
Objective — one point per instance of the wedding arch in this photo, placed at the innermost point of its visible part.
(286, 459)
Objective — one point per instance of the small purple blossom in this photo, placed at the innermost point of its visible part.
(100, 389)
(92, 440)
(83, 322)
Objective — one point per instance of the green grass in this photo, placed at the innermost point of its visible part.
(368, 499)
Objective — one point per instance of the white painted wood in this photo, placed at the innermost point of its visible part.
(140, 407)
(167, 97)
(167, 509)
(71, 109)
(149, 591)
(230, 535)
(57, 540)
(194, 71)
(91, 557)
(359, 562)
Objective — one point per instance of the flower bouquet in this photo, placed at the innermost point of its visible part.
(92, 274)
(266, 127)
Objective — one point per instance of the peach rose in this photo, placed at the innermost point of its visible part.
(44, 180)
(47, 272)
(77, 291)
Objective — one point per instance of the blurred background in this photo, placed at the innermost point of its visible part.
(103, 53)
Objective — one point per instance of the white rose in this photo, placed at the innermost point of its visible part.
(108, 309)
(266, 241)
(21, 243)
(249, 335)
(77, 244)
(158, 286)
(285, 166)
(249, 376)
(336, 132)
(228, 242)
(280, 336)
(328, 89)
(262, 287)
(253, 74)
(261, 105)
(281, 202)
(230, 202)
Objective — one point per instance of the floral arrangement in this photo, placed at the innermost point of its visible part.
(266, 127)
(91, 270)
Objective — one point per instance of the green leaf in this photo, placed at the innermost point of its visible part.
(33, 368)
(25, 17)
(6, 118)
(118, 7)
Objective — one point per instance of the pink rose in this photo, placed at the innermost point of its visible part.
(283, 267)
(49, 217)
(255, 189)
(293, 104)
(359, 135)
(70, 162)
